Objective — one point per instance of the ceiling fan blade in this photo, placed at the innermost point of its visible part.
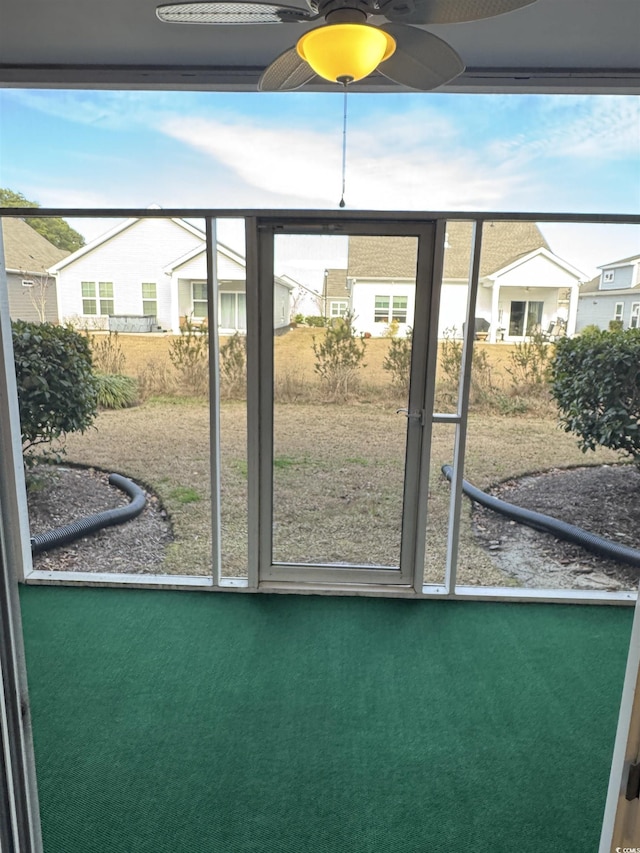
(447, 11)
(289, 71)
(421, 60)
(232, 12)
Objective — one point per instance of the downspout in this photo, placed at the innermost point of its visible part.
(573, 309)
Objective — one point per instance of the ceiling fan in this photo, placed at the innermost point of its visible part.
(346, 48)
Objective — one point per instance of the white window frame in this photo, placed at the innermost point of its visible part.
(608, 276)
(618, 311)
(634, 319)
(148, 299)
(28, 282)
(98, 298)
(201, 318)
(338, 308)
(392, 308)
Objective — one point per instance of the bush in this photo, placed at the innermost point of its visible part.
(339, 357)
(57, 391)
(397, 362)
(116, 392)
(107, 355)
(233, 368)
(189, 354)
(596, 384)
(318, 322)
(529, 363)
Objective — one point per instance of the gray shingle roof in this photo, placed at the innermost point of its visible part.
(25, 250)
(395, 257)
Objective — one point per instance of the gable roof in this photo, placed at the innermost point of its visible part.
(395, 257)
(634, 259)
(25, 250)
(541, 253)
(118, 229)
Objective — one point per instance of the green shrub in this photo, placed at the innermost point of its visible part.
(298, 318)
(318, 322)
(529, 363)
(596, 384)
(233, 368)
(189, 354)
(57, 391)
(116, 392)
(397, 362)
(339, 357)
(616, 325)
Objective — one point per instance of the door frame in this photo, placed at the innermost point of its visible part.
(260, 367)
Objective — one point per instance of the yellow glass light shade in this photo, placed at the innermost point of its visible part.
(345, 52)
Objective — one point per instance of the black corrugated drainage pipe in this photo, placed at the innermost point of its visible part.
(547, 524)
(92, 523)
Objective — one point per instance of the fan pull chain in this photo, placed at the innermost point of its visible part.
(344, 144)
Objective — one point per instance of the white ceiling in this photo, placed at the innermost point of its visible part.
(553, 45)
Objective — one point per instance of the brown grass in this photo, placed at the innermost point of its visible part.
(147, 359)
(338, 478)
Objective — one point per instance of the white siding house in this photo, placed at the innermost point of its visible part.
(612, 295)
(150, 274)
(523, 286)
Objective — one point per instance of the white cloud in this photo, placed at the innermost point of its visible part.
(409, 162)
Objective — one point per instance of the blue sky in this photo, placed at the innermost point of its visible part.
(405, 151)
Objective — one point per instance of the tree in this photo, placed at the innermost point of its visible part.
(56, 385)
(596, 383)
(39, 288)
(54, 229)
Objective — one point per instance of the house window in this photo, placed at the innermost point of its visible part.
(105, 291)
(388, 308)
(27, 282)
(199, 298)
(634, 320)
(381, 311)
(399, 309)
(233, 311)
(618, 313)
(89, 303)
(103, 305)
(338, 309)
(608, 276)
(525, 318)
(149, 298)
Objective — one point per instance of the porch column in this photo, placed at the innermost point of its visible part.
(495, 299)
(573, 310)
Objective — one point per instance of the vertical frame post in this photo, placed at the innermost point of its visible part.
(455, 503)
(214, 395)
(19, 815)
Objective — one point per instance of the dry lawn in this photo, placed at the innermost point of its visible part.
(338, 478)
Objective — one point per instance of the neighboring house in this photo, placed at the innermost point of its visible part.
(612, 295)
(304, 300)
(335, 293)
(27, 257)
(149, 275)
(523, 286)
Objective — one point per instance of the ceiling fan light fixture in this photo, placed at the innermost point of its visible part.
(345, 52)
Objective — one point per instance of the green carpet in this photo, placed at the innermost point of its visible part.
(176, 722)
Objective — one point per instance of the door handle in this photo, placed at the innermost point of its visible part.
(419, 416)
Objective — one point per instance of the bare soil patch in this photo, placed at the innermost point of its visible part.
(604, 500)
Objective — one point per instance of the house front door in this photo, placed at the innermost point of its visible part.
(344, 414)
